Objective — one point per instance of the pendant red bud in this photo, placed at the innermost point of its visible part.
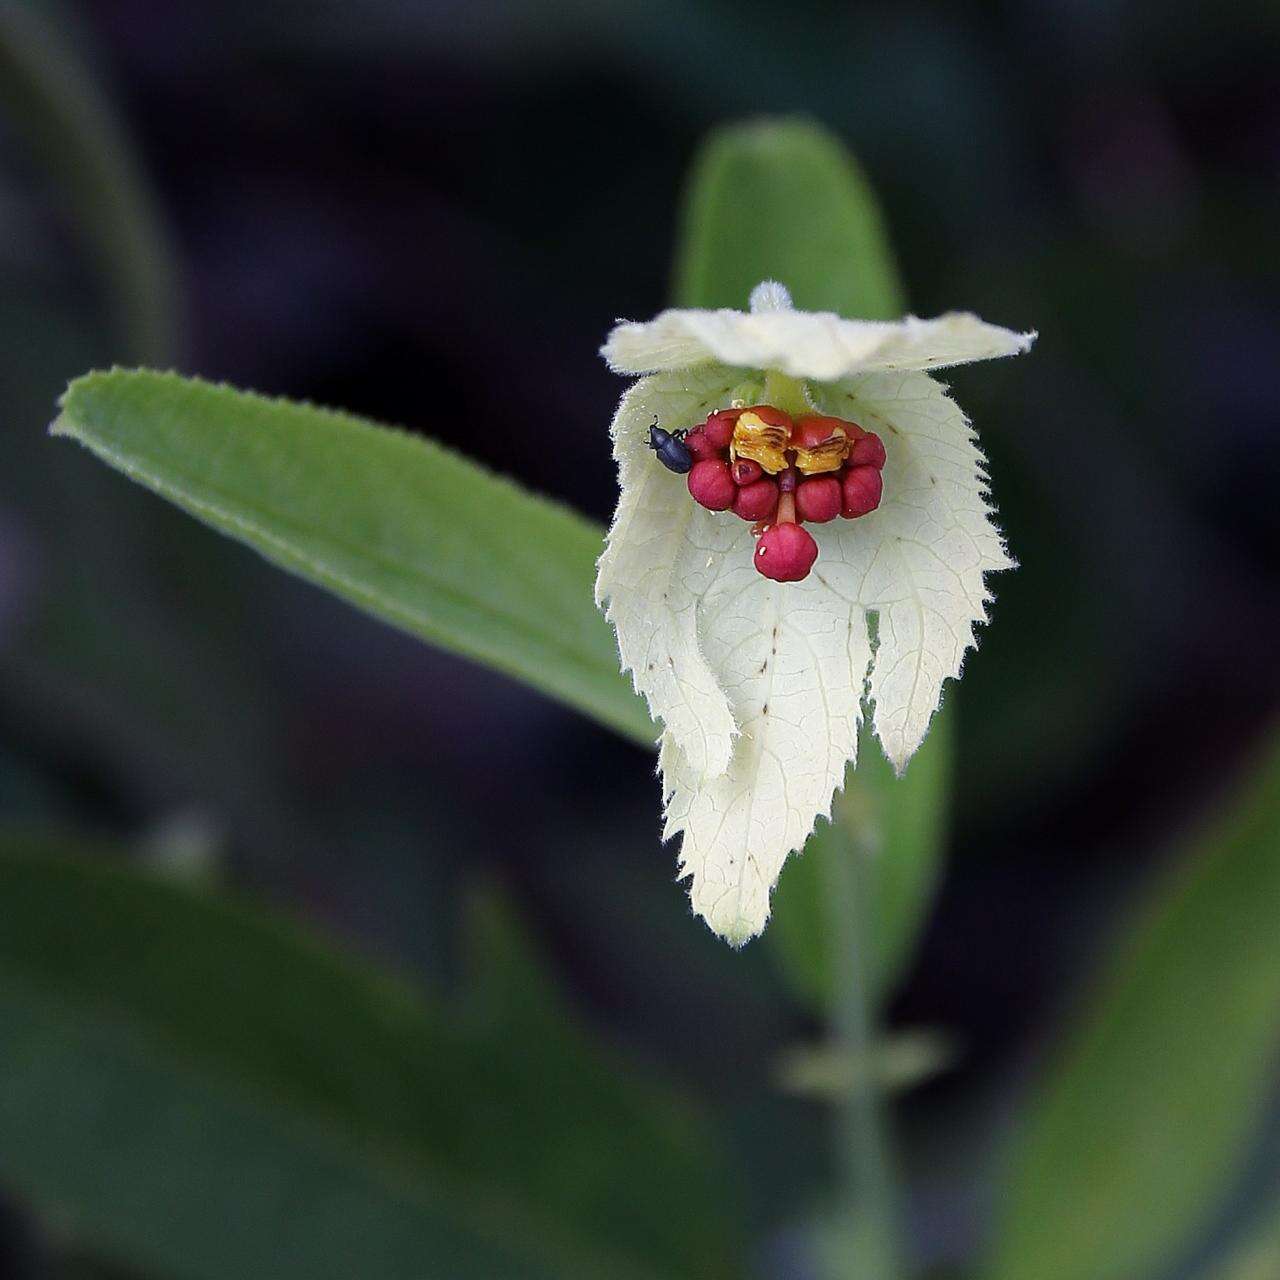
(785, 553)
(711, 485)
(746, 472)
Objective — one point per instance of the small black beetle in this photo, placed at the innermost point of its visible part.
(671, 449)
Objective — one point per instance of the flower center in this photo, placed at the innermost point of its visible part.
(777, 471)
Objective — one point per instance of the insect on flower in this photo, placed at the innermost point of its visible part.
(834, 488)
(672, 452)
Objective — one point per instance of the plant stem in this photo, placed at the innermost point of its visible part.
(866, 1245)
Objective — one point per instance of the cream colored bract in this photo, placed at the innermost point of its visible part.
(759, 685)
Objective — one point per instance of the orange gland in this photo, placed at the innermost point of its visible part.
(762, 434)
(821, 444)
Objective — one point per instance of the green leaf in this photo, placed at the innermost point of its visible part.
(212, 1094)
(783, 200)
(414, 533)
(1256, 1256)
(900, 825)
(405, 529)
(1147, 1113)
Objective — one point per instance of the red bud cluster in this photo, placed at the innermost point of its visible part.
(833, 468)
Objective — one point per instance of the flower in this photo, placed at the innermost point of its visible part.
(757, 678)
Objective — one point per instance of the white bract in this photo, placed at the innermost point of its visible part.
(759, 685)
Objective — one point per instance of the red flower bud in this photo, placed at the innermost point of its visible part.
(746, 472)
(698, 445)
(863, 487)
(867, 451)
(719, 427)
(819, 499)
(756, 501)
(785, 553)
(711, 485)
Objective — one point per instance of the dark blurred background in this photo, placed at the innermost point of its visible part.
(430, 214)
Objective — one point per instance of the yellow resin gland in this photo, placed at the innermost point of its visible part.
(763, 441)
(813, 445)
(820, 444)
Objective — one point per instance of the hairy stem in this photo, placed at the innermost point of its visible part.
(865, 1244)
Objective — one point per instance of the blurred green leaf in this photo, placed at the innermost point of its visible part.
(74, 133)
(409, 531)
(92, 656)
(1146, 1115)
(210, 1092)
(901, 825)
(783, 200)
(1255, 1257)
